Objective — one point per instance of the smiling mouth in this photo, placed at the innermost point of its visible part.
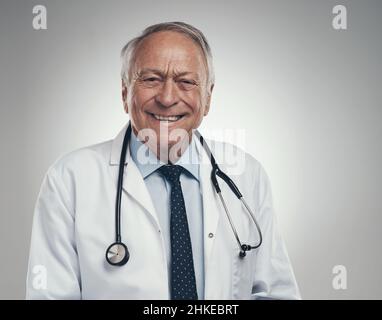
(167, 118)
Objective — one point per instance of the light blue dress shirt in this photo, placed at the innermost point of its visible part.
(159, 189)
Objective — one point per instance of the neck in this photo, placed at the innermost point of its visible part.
(167, 151)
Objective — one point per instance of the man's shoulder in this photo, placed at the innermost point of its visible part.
(82, 158)
(243, 168)
(233, 157)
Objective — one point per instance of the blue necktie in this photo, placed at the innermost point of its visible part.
(183, 284)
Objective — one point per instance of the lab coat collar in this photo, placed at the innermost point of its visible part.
(189, 160)
(116, 147)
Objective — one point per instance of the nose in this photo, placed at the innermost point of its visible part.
(168, 94)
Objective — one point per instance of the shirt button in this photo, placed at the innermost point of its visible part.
(210, 235)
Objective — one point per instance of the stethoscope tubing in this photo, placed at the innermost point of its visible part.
(120, 184)
(215, 172)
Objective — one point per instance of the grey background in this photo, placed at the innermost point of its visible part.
(307, 95)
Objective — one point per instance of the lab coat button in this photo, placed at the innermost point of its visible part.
(210, 235)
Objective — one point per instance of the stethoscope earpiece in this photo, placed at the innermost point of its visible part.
(117, 254)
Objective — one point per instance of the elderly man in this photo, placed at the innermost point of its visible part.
(143, 216)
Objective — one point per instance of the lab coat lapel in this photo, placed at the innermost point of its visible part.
(133, 182)
(211, 209)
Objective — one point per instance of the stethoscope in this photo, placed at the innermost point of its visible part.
(117, 253)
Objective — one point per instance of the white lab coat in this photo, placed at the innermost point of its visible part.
(74, 223)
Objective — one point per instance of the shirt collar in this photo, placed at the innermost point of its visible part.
(189, 159)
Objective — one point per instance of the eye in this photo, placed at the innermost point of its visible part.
(187, 84)
(151, 79)
(187, 81)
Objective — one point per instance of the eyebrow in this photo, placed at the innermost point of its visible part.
(149, 70)
(159, 72)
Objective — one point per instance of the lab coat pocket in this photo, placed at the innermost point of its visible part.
(242, 274)
(243, 267)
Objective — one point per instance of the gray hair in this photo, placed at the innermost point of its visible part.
(128, 51)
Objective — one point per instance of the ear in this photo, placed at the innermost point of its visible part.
(124, 96)
(207, 108)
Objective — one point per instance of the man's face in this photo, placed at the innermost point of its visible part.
(168, 90)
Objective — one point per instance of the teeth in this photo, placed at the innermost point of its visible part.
(162, 118)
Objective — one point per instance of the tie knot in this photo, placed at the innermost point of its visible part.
(171, 172)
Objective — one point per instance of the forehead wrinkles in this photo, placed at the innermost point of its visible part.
(172, 52)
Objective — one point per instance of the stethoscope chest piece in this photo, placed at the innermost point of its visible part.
(117, 254)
